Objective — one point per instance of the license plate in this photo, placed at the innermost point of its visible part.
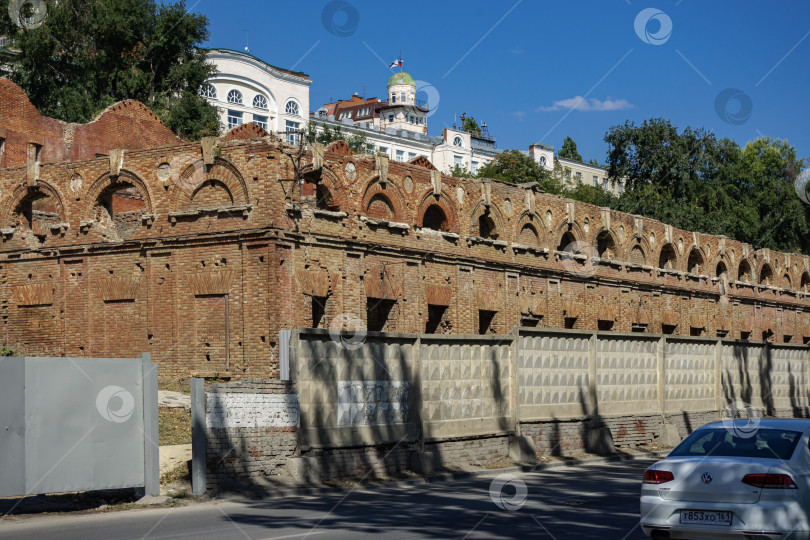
(703, 517)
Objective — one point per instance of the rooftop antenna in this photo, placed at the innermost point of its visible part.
(247, 41)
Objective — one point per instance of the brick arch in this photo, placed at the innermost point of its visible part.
(527, 218)
(804, 282)
(598, 241)
(104, 181)
(390, 193)
(197, 175)
(22, 191)
(444, 202)
(669, 251)
(495, 214)
(766, 273)
(422, 161)
(744, 268)
(563, 228)
(725, 260)
(636, 240)
(697, 252)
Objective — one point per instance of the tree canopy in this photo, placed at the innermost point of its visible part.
(516, 167)
(569, 150)
(471, 126)
(695, 181)
(83, 55)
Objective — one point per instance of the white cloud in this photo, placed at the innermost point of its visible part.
(579, 103)
(519, 115)
(517, 49)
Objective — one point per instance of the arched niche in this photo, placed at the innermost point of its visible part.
(744, 272)
(766, 275)
(487, 221)
(383, 201)
(530, 230)
(35, 211)
(437, 213)
(695, 262)
(667, 257)
(214, 186)
(117, 205)
(606, 245)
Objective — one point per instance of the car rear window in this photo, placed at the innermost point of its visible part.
(763, 443)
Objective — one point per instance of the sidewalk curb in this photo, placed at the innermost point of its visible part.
(307, 491)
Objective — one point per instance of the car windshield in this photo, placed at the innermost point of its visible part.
(760, 443)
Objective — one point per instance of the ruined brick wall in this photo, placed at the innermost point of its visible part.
(228, 249)
(127, 124)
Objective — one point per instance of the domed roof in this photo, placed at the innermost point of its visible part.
(401, 78)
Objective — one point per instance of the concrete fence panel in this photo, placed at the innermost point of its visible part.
(740, 370)
(466, 386)
(788, 379)
(553, 375)
(627, 374)
(689, 374)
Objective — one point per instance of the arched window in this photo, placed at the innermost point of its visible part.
(695, 262)
(805, 283)
(487, 227)
(605, 246)
(457, 141)
(667, 260)
(235, 96)
(435, 218)
(260, 102)
(721, 270)
(543, 161)
(766, 276)
(744, 273)
(567, 242)
(208, 91)
(292, 108)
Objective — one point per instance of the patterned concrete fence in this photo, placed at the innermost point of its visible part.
(360, 403)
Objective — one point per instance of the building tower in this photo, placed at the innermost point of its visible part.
(403, 111)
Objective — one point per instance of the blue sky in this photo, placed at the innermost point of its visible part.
(537, 71)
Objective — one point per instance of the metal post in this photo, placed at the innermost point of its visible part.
(198, 440)
(151, 449)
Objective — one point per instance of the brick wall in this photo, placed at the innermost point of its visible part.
(127, 124)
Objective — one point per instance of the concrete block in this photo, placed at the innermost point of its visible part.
(669, 436)
(305, 469)
(521, 449)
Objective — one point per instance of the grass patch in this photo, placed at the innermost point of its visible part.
(182, 384)
(174, 426)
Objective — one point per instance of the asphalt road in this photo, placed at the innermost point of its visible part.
(591, 501)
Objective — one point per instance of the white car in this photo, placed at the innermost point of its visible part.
(732, 479)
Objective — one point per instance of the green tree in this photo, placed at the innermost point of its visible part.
(592, 195)
(358, 143)
(516, 167)
(569, 150)
(88, 54)
(471, 126)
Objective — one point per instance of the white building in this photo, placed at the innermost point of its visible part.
(247, 89)
(573, 173)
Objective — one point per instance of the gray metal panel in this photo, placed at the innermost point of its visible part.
(198, 440)
(12, 426)
(84, 427)
(151, 443)
(284, 354)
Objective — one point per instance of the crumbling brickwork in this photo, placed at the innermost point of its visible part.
(201, 253)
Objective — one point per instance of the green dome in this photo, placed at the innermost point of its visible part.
(401, 78)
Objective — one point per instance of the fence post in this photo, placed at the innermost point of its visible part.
(662, 368)
(592, 374)
(718, 373)
(514, 354)
(198, 439)
(151, 450)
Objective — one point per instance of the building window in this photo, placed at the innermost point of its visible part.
(543, 161)
(260, 102)
(383, 149)
(292, 108)
(458, 161)
(620, 186)
(235, 96)
(234, 119)
(293, 137)
(260, 121)
(345, 114)
(403, 97)
(400, 155)
(579, 178)
(595, 181)
(604, 183)
(411, 155)
(474, 167)
(393, 98)
(390, 117)
(457, 141)
(208, 91)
